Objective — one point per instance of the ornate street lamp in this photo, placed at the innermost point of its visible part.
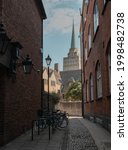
(48, 62)
(27, 65)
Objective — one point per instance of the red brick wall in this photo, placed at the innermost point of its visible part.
(100, 42)
(22, 23)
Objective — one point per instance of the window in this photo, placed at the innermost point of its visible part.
(109, 69)
(87, 91)
(99, 80)
(45, 81)
(84, 92)
(52, 83)
(87, 1)
(89, 39)
(96, 16)
(105, 1)
(91, 88)
(85, 53)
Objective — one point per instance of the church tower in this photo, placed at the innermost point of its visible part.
(72, 61)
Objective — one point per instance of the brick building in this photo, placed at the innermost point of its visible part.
(21, 26)
(95, 41)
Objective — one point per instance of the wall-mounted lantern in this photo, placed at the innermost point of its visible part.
(11, 51)
(27, 65)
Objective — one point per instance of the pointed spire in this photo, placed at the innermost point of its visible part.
(73, 37)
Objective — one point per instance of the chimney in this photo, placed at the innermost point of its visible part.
(56, 67)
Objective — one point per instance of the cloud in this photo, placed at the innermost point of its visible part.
(60, 15)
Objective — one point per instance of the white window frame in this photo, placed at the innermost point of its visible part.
(91, 88)
(96, 16)
(99, 80)
(89, 39)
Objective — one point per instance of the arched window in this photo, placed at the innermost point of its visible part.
(87, 91)
(84, 92)
(96, 16)
(109, 68)
(99, 80)
(91, 88)
(85, 53)
(89, 39)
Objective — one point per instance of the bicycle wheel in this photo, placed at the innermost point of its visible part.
(63, 122)
(43, 123)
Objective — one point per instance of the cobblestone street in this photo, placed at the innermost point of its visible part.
(79, 136)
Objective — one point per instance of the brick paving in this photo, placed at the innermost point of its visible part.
(80, 137)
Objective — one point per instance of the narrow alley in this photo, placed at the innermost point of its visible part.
(80, 134)
(80, 137)
(55, 74)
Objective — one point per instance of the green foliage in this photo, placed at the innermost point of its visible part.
(74, 92)
(55, 98)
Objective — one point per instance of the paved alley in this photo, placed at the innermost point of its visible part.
(80, 137)
(40, 142)
(81, 134)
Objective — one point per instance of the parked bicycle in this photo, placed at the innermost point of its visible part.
(60, 120)
(56, 120)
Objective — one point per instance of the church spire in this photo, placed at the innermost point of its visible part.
(73, 37)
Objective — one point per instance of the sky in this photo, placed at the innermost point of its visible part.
(58, 29)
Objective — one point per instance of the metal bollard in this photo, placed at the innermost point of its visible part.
(38, 127)
(32, 130)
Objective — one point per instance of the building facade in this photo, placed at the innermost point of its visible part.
(71, 65)
(68, 77)
(55, 86)
(95, 31)
(54, 79)
(21, 27)
(72, 61)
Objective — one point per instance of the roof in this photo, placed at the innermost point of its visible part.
(56, 73)
(41, 8)
(73, 37)
(68, 76)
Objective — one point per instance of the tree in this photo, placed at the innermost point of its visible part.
(55, 98)
(74, 91)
